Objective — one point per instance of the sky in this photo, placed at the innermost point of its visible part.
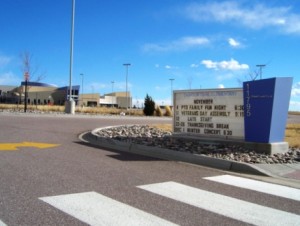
(170, 44)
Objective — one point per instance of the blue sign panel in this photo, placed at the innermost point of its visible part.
(266, 104)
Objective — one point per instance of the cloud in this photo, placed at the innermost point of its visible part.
(194, 65)
(170, 67)
(294, 106)
(232, 42)
(225, 76)
(9, 78)
(95, 87)
(161, 88)
(257, 16)
(296, 90)
(221, 86)
(4, 60)
(231, 65)
(181, 44)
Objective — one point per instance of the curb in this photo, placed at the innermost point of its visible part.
(167, 154)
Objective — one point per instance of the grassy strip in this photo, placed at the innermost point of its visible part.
(292, 135)
(84, 110)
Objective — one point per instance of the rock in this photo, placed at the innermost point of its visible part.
(145, 135)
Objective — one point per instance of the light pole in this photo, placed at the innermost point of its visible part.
(111, 96)
(171, 80)
(126, 65)
(70, 106)
(260, 69)
(82, 76)
(26, 76)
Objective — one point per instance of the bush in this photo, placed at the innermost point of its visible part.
(168, 111)
(158, 111)
(149, 106)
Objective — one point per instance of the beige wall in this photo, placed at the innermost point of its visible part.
(89, 99)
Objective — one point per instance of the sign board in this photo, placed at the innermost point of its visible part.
(26, 76)
(266, 109)
(211, 112)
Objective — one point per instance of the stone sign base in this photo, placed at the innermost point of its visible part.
(268, 148)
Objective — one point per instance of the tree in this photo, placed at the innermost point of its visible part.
(149, 106)
(28, 71)
(28, 66)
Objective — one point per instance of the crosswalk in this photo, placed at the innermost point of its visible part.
(2, 223)
(96, 209)
(272, 189)
(223, 205)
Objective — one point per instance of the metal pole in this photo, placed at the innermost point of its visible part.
(171, 79)
(26, 90)
(81, 89)
(126, 65)
(71, 49)
(70, 104)
(111, 96)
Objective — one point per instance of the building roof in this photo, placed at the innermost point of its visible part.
(37, 84)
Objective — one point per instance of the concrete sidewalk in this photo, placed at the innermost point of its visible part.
(291, 171)
(280, 171)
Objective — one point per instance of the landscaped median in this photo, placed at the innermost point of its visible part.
(153, 142)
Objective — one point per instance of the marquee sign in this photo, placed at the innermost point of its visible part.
(213, 112)
(256, 113)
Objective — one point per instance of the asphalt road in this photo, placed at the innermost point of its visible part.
(30, 177)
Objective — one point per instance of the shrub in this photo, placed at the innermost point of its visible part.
(168, 111)
(149, 106)
(158, 111)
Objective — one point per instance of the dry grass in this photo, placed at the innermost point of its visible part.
(292, 135)
(165, 127)
(85, 110)
(109, 111)
(45, 108)
(294, 112)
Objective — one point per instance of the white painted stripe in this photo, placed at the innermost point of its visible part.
(268, 188)
(96, 209)
(230, 207)
(2, 224)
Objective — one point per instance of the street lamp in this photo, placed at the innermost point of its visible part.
(171, 80)
(111, 96)
(82, 76)
(126, 65)
(70, 106)
(260, 69)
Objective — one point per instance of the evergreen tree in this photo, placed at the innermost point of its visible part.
(149, 106)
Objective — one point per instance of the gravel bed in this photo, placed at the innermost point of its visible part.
(149, 136)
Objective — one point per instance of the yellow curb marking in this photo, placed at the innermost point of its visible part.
(15, 146)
